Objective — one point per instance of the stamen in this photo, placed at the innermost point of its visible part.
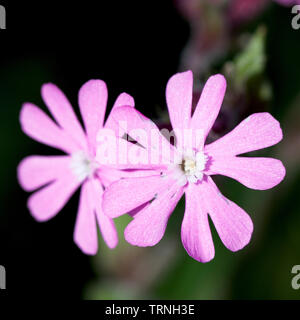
(190, 169)
(82, 166)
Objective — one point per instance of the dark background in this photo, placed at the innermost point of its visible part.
(134, 47)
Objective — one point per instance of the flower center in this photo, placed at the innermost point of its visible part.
(191, 167)
(82, 165)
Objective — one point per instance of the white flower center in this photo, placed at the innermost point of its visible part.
(82, 165)
(190, 168)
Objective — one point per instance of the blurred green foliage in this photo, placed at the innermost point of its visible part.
(251, 62)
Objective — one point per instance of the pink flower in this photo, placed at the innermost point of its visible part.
(192, 175)
(60, 176)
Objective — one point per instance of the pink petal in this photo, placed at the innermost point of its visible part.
(63, 113)
(258, 131)
(123, 99)
(85, 232)
(37, 125)
(129, 119)
(135, 211)
(92, 102)
(127, 194)
(254, 173)
(145, 132)
(106, 224)
(126, 155)
(149, 225)
(195, 231)
(36, 171)
(47, 202)
(232, 223)
(209, 104)
(108, 174)
(179, 94)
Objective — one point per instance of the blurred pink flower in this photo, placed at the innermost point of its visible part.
(288, 2)
(246, 10)
(60, 176)
(209, 37)
(239, 10)
(160, 193)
